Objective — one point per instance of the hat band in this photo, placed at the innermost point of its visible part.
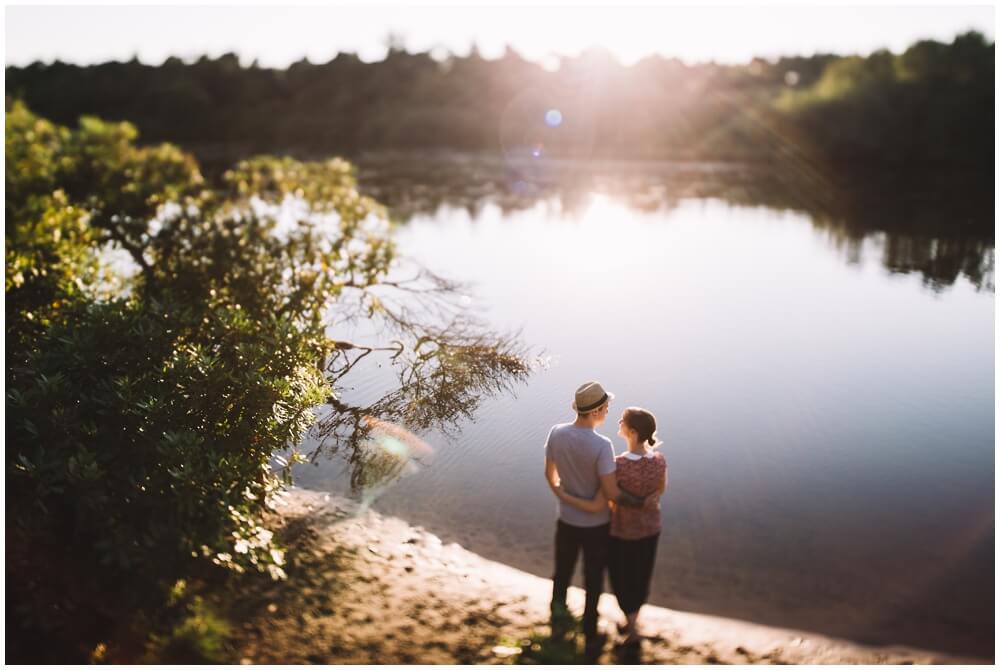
(589, 408)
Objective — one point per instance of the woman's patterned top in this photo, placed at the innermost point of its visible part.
(640, 476)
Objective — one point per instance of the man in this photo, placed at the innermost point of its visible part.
(582, 461)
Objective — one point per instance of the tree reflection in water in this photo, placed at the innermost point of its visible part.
(939, 224)
(446, 362)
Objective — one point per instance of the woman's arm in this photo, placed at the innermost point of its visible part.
(596, 504)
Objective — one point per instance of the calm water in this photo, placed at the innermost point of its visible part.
(825, 393)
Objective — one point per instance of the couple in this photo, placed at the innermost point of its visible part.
(609, 507)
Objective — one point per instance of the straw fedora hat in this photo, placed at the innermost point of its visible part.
(589, 397)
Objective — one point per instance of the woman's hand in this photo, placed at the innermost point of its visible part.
(556, 485)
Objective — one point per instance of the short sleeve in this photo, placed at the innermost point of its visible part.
(606, 459)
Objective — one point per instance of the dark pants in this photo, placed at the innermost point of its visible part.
(630, 567)
(594, 543)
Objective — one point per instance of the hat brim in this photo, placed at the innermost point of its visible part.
(611, 396)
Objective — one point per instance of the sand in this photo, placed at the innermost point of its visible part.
(364, 588)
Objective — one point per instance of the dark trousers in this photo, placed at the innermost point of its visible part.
(630, 567)
(594, 543)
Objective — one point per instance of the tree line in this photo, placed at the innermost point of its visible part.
(931, 104)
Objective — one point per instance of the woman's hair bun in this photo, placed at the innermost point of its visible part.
(642, 422)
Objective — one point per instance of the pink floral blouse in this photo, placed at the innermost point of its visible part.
(641, 476)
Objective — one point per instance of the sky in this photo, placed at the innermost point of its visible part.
(278, 36)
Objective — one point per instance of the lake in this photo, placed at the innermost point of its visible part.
(821, 365)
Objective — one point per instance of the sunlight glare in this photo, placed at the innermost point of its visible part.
(602, 209)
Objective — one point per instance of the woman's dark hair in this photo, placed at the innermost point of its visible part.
(642, 422)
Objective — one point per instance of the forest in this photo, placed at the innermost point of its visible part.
(930, 105)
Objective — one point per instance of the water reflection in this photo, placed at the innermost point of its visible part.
(938, 225)
(830, 427)
(442, 375)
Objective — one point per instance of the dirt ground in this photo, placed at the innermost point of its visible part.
(368, 589)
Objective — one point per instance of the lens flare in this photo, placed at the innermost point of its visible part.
(396, 440)
(541, 125)
(389, 453)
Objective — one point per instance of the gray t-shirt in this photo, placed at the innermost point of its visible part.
(581, 455)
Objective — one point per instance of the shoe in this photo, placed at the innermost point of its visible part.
(626, 637)
(630, 641)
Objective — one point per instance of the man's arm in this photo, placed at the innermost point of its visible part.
(551, 474)
(611, 491)
(595, 504)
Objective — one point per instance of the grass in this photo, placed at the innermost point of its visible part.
(199, 638)
(543, 649)
(559, 646)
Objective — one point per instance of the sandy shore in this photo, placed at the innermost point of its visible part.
(365, 588)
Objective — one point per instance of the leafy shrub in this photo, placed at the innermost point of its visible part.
(145, 405)
(199, 637)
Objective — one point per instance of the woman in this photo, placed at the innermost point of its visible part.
(635, 531)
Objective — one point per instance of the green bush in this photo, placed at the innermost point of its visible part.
(199, 637)
(144, 406)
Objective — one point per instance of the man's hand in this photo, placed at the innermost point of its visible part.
(626, 499)
(609, 485)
